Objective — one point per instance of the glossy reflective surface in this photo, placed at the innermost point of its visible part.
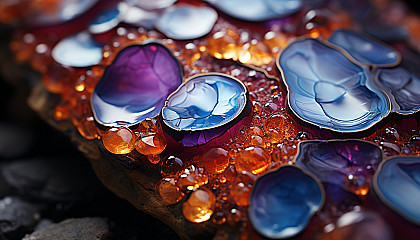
(334, 161)
(77, 51)
(186, 21)
(397, 183)
(402, 87)
(282, 202)
(327, 89)
(105, 21)
(205, 101)
(257, 10)
(365, 50)
(135, 86)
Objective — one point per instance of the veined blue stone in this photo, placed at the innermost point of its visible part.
(397, 183)
(332, 161)
(105, 21)
(402, 87)
(282, 202)
(185, 22)
(365, 50)
(257, 10)
(205, 101)
(326, 89)
(135, 85)
(152, 5)
(77, 51)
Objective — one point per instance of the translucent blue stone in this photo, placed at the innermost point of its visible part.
(397, 183)
(135, 85)
(402, 87)
(332, 161)
(257, 10)
(205, 101)
(282, 202)
(365, 50)
(77, 51)
(327, 89)
(105, 21)
(185, 22)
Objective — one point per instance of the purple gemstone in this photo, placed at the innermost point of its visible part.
(135, 86)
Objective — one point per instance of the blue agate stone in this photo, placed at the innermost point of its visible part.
(333, 161)
(402, 87)
(327, 89)
(204, 102)
(282, 202)
(105, 21)
(135, 85)
(77, 51)
(397, 183)
(365, 50)
(185, 22)
(257, 10)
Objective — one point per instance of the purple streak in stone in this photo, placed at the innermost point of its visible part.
(135, 86)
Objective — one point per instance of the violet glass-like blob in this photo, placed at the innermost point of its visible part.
(397, 182)
(402, 87)
(77, 51)
(365, 50)
(257, 10)
(282, 202)
(327, 89)
(185, 21)
(204, 102)
(135, 86)
(333, 161)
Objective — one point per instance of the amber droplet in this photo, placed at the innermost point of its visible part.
(241, 188)
(200, 206)
(275, 41)
(224, 45)
(148, 126)
(154, 159)
(255, 140)
(87, 128)
(215, 161)
(256, 53)
(62, 110)
(192, 178)
(253, 159)
(119, 140)
(230, 174)
(56, 79)
(171, 166)
(255, 130)
(151, 145)
(168, 191)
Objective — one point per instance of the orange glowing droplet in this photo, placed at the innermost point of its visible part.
(200, 206)
(151, 145)
(154, 159)
(192, 178)
(168, 191)
(62, 110)
(224, 45)
(87, 128)
(215, 161)
(241, 188)
(255, 140)
(253, 159)
(119, 140)
(56, 79)
(171, 166)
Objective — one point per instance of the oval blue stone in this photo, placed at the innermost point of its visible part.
(397, 183)
(185, 22)
(282, 202)
(105, 21)
(364, 50)
(257, 10)
(205, 101)
(327, 89)
(135, 85)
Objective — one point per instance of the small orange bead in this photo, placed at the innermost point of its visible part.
(56, 79)
(224, 45)
(151, 145)
(200, 206)
(215, 161)
(148, 126)
(240, 189)
(255, 140)
(87, 128)
(62, 110)
(253, 159)
(168, 191)
(154, 159)
(192, 178)
(171, 166)
(119, 140)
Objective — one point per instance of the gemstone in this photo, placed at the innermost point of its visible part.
(200, 206)
(402, 87)
(105, 21)
(397, 183)
(192, 178)
(240, 190)
(184, 21)
(151, 145)
(326, 89)
(56, 79)
(251, 10)
(135, 86)
(253, 159)
(215, 161)
(77, 51)
(87, 128)
(348, 163)
(282, 202)
(171, 166)
(364, 49)
(119, 140)
(154, 5)
(168, 191)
